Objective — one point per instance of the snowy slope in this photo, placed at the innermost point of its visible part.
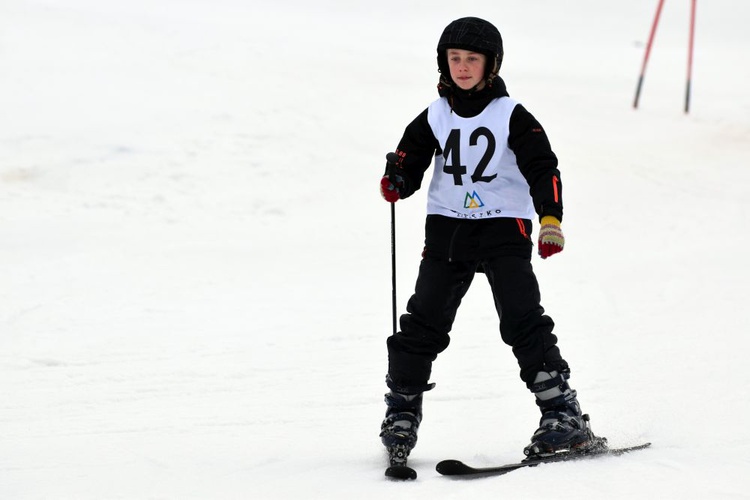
(195, 259)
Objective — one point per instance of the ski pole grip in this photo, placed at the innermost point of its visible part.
(391, 161)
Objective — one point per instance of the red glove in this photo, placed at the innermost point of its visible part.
(389, 190)
(551, 239)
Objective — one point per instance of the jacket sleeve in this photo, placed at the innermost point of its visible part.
(415, 151)
(537, 162)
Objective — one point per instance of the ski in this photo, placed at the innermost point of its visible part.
(459, 469)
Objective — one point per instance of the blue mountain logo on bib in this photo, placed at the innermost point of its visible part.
(473, 201)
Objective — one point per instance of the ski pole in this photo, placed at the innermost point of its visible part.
(648, 52)
(690, 56)
(393, 264)
(392, 159)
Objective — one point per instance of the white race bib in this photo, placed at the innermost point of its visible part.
(475, 174)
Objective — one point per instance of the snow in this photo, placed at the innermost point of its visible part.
(195, 278)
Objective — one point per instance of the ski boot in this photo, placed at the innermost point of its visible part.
(562, 428)
(398, 432)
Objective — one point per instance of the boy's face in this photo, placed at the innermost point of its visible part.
(466, 67)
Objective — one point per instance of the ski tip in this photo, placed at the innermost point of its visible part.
(451, 467)
(401, 472)
(626, 449)
(644, 445)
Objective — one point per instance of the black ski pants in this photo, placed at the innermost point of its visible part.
(440, 287)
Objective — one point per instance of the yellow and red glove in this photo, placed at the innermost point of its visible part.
(551, 239)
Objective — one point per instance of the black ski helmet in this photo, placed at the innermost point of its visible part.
(477, 35)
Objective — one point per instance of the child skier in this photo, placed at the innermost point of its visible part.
(494, 172)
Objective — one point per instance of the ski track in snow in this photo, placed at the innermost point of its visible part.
(195, 277)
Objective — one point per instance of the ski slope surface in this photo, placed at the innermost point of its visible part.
(195, 280)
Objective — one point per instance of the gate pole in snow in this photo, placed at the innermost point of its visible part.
(648, 52)
(690, 55)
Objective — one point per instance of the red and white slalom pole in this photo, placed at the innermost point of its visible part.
(648, 52)
(690, 55)
(691, 39)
